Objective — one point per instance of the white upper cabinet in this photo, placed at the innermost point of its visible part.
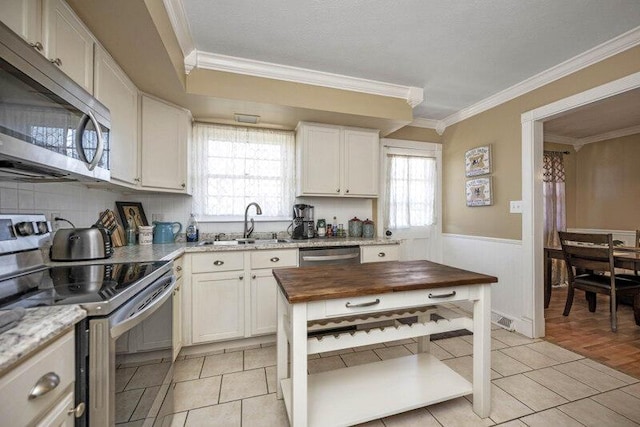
(337, 161)
(67, 42)
(114, 89)
(24, 17)
(165, 138)
(360, 158)
(52, 28)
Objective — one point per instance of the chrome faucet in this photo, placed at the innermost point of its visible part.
(249, 230)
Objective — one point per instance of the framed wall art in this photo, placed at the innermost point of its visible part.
(479, 192)
(132, 211)
(477, 161)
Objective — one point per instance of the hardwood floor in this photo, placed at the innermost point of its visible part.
(589, 334)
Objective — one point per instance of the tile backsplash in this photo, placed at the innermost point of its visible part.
(81, 205)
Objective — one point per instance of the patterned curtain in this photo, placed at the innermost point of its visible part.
(234, 166)
(555, 219)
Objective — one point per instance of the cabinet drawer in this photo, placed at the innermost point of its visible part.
(217, 261)
(56, 361)
(364, 304)
(178, 267)
(378, 253)
(274, 258)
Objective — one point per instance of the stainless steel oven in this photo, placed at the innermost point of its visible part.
(124, 348)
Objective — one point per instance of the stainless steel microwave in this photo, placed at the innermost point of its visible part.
(51, 129)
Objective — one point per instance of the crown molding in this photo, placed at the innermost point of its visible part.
(421, 122)
(559, 139)
(178, 18)
(618, 133)
(232, 64)
(599, 53)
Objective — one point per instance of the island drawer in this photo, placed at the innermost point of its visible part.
(53, 369)
(384, 302)
(210, 262)
(274, 258)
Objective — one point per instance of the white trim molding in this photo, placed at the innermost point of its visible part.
(599, 53)
(180, 24)
(484, 239)
(250, 67)
(420, 122)
(578, 143)
(532, 213)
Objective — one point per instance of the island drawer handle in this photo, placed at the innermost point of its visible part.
(451, 294)
(218, 262)
(275, 259)
(381, 254)
(363, 304)
(44, 385)
(178, 268)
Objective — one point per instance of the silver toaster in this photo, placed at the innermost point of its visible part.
(78, 244)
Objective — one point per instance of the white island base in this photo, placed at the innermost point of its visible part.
(348, 396)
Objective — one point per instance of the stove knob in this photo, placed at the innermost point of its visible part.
(24, 228)
(43, 227)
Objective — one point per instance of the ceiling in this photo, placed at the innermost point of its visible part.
(459, 52)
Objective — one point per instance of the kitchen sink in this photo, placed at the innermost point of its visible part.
(243, 242)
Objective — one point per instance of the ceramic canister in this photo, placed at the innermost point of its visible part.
(368, 229)
(146, 234)
(355, 227)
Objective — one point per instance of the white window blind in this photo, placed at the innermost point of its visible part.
(411, 191)
(234, 166)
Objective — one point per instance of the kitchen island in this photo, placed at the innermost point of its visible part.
(357, 394)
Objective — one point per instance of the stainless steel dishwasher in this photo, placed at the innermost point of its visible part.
(336, 255)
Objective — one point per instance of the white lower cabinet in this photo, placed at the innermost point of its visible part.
(232, 294)
(50, 404)
(379, 253)
(177, 341)
(217, 306)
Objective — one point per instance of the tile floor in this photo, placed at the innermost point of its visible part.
(535, 383)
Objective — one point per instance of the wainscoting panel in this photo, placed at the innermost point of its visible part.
(497, 257)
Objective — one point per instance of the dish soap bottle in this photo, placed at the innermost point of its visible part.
(193, 234)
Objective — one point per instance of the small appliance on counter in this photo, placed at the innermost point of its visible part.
(303, 225)
(163, 232)
(81, 244)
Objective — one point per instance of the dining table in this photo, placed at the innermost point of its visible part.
(627, 257)
(356, 394)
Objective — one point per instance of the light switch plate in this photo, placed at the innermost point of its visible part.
(515, 206)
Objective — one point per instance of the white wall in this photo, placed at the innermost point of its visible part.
(72, 201)
(81, 205)
(496, 257)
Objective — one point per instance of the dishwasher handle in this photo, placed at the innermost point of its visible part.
(320, 258)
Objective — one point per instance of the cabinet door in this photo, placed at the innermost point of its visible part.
(217, 306)
(165, 132)
(59, 416)
(68, 43)
(24, 17)
(319, 160)
(263, 302)
(361, 154)
(114, 89)
(177, 318)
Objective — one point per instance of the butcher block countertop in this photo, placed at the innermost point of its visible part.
(305, 284)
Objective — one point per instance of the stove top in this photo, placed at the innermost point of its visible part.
(98, 288)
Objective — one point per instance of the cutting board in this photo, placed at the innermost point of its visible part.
(109, 221)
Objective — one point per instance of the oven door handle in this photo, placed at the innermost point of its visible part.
(121, 326)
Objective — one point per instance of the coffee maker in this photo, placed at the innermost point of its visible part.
(303, 223)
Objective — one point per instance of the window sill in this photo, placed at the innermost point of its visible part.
(237, 219)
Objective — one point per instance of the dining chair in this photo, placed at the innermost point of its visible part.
(590, 267)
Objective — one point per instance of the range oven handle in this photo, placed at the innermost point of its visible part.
(99, 147)
(153, 303)
(329, 257)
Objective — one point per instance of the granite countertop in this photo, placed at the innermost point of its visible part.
(45, 323)
(37, 327)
